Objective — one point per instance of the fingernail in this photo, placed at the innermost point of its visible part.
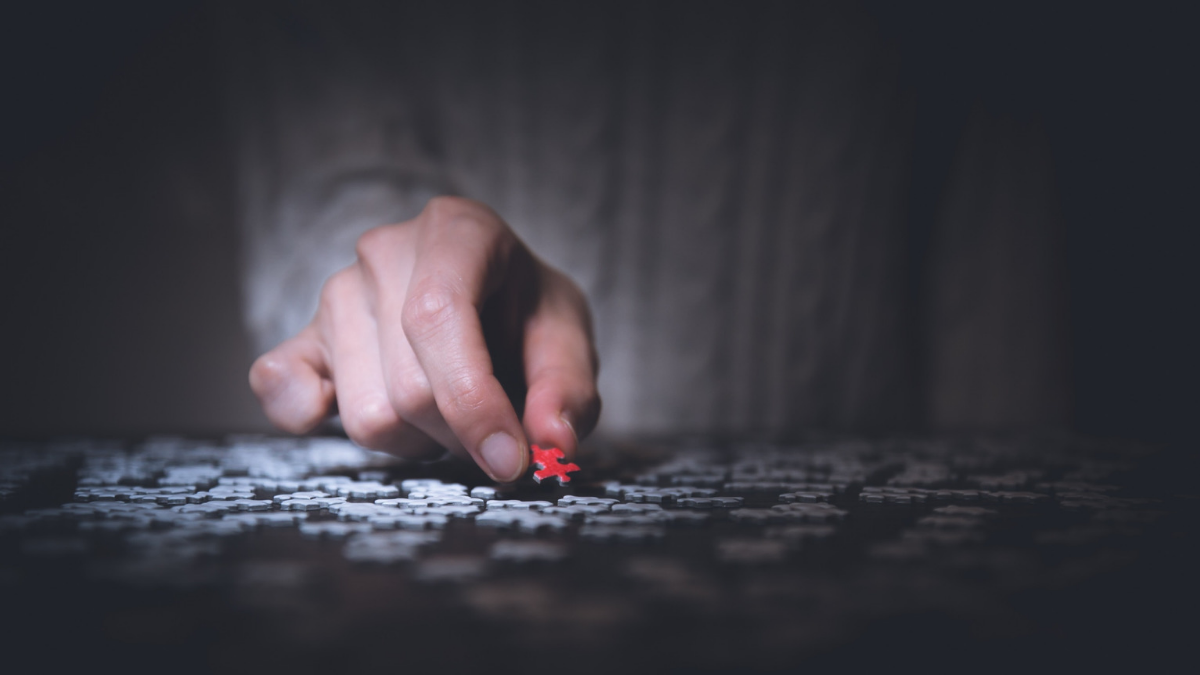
(502, 454)
(566, 419)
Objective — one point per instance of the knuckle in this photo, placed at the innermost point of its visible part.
(337, 288)
(468, 395)
(467, 217)
(410, 394)
(430, 305)
(446, 207)
(371, 241)
(370, 421)
(379, 242)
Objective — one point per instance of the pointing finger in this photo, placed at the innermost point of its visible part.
(464, 251)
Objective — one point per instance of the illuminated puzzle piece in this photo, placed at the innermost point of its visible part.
(549, 466)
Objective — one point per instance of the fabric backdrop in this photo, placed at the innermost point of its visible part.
(738, 187)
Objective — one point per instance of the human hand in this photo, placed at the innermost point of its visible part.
(445, 328)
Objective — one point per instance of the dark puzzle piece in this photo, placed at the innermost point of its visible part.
(549, 465)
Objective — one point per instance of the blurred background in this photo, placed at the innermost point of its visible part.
(123, 253)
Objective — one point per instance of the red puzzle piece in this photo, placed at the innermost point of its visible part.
(549, 465)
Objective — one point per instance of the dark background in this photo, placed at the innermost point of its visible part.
(118, 246)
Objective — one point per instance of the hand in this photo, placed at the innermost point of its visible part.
(444, 330)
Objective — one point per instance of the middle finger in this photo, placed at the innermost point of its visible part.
(366, 410)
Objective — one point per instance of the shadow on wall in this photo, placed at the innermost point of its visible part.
(118, 257)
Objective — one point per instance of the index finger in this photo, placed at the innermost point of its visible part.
(463, 253)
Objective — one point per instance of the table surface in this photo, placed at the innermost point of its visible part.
(709, 555)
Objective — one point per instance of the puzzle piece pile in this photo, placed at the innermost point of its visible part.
(665, 526)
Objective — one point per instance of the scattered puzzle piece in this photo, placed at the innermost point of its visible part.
(549, 465)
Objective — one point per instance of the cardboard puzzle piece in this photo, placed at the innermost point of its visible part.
(549, 465)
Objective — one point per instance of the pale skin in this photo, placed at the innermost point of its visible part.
(431, 336)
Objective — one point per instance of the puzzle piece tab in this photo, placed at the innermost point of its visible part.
(549, 465)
